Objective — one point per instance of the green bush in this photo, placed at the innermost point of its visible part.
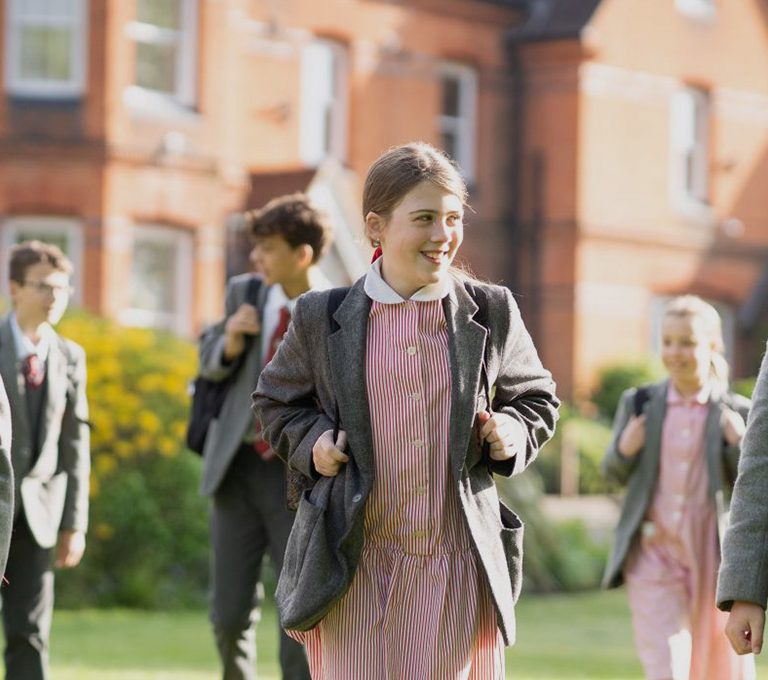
(615, 378)
(148, 537)
(590, 437)
(556, 556)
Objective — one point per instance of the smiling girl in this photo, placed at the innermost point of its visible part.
(402, 562)
(678, 458)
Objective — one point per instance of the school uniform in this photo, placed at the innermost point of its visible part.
(51, 463)
(744, 569)
(247, 485)
(6, 478)
(667, 548)
(405, 565)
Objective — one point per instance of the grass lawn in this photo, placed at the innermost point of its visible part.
(559, 638)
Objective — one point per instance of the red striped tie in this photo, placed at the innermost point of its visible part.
(262, 448)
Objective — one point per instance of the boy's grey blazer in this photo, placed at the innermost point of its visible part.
(640, 473)
(314, 370)
(52, 484)
(744, 566)
(6, 478)
(226, 432)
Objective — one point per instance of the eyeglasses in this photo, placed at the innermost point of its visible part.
(49, 289)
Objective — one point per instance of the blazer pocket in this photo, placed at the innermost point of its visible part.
(512, 539)
(304, 523)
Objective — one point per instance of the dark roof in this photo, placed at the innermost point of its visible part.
(553, 19)
(267, 185)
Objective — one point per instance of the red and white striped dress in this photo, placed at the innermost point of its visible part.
(418, 607)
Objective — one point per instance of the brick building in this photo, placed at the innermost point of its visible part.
(133, 133)
(643, 173)
(614, 149)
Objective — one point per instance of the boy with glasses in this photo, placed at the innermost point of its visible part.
(44, 375)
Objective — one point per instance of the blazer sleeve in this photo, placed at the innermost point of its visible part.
(744, 567)
(6, 478)
(616, 466)
(211, 347)
(525, 391)
(285, 400)
(75, 444)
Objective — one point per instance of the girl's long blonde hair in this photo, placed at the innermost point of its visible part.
(691, 306)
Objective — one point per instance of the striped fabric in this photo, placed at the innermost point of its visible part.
(417, 608)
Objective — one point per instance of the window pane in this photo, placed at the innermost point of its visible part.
(163, 13)
(156, 67)
(451, 96)
(52, 9)
(153, 275)
(46, 53)
(59, 240)
(450, 143)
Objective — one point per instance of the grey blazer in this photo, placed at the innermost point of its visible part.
(640, 473)
(744, 566)
(225, 433)
(314, 370)
(6, 478)
(52, 488)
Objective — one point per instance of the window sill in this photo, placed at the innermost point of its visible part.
(695, 212)
(144, 104)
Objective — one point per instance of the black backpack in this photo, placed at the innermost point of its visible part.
(208, 396)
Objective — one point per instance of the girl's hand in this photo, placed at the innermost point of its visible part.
(328, 455)
(745, 627)
(632, 438)
(733, 426)
(502, 432)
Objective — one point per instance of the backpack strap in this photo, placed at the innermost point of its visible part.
(335, 297)
(642, 395)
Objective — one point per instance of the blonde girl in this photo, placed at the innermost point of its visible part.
(402, 562)
(678, 459)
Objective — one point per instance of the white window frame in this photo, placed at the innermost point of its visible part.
(696, 9)
(180, 319)
(463, 126)
(42, 88)
(185, 93)
(323, 90)
(690, 110)
(71, 229)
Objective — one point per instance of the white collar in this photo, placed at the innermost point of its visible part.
(379, 290)
(25, 346)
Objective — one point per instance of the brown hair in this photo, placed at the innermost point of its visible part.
(694, 307)
(295, 219)
(29, 253)
(398, 170)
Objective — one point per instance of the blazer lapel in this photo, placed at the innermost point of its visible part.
(713, 441)
(655, 411)
(347, 351)
(467, 340)
(55, 390)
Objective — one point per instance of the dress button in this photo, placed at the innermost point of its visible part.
(415, 396)
(418, 443)
(421, 490)
(357, 498)
(411, 350)
(419, 534)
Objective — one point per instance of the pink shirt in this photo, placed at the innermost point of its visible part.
(683, 482)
